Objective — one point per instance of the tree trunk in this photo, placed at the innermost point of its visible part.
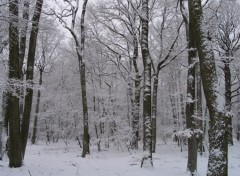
(227, 76)
(86, 136)
(137, 94)
(34, 135)
(190, 113)
(136, 111)
(218, 150)
(154, 112)
(147, 116)
(12, 109)
(29, 75)
(85, 112)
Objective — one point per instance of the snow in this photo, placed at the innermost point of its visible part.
(59, 160)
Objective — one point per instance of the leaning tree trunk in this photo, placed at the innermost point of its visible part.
(29, 75)
(35, 123)
(147, 124)
(12, 109)
(218, 150)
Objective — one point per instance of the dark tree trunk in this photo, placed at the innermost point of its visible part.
(218, 150)
(154, 112)
(85, 112)
(83, 81)
(29, 75)
(147, 107)
(228, 95)
(190, 113)
(12, 109)
(35, 123)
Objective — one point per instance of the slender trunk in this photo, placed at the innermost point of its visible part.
(173, 105)
(137, 94)
(12, 109)
(218, 150)
(29, 75)
(136, 111)
(147, 116)
(34, 135)
(85, 112)
(154, 112)
(227, 75)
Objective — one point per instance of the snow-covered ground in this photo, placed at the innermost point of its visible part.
(59, 160)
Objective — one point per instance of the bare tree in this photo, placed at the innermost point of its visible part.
(72, 12)
(147, 104)
(12, 108)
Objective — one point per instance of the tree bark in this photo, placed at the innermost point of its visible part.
(137, 94)
(35, 123)
(147, 116)
(29, 74)
(228, 96)
(190, 113)
(154, 112)
(83, 84)
(12, 109)
(218, 150)
(85, 112)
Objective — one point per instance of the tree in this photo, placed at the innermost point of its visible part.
(147, 115)
(190, 113)
(228, 44)
(218, 150)
(163, 58)
(80, 55)
(29, 75)
(12, 108)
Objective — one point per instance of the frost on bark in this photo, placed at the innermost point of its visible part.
(136, 102)
(29, 75)
(12, 107)
(147, 124)
(190, 114)
(218, 150)
(190, 104)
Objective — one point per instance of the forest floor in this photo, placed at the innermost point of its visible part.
(60, 160)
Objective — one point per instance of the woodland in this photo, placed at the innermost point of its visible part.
(134, 76)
